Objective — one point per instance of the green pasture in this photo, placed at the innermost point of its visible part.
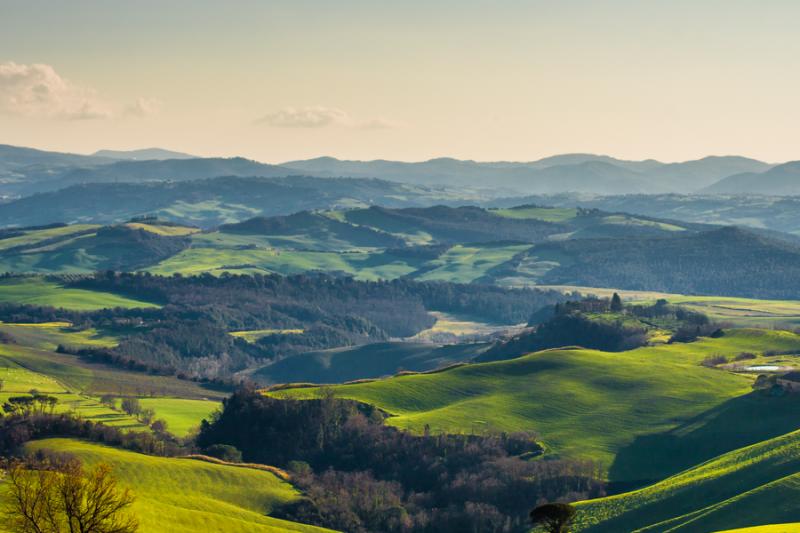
(614, 408)
(39, 291)
(751, 486)
(181, 495)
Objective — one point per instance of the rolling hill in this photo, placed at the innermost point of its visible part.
(208, 203)
(701, 263)
(509, 247)
(189, 495)
(761, 212)
(751, 486)
(620, 409)
(782, 180)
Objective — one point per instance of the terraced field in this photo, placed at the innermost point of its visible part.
(30, 363)
(179, 495)
(751, 486)
(620, 409)
(38, 291)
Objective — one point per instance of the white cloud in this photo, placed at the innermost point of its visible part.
(305, 117)
(37, 90)
(319, 117)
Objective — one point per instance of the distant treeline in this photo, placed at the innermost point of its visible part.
(603, 324)
(189, 335)
(728, 261)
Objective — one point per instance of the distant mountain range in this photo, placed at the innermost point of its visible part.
(570, 172)
(25, 171)
(782, 180)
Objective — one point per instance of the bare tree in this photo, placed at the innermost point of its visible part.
(50, 497)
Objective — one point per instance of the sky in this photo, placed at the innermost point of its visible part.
(407, 80)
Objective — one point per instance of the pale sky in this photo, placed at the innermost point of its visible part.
(409, 80)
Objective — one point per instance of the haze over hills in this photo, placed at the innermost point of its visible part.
(782, 180)
(25, 171)
(570, 172)
(143, 154)
(210, 202)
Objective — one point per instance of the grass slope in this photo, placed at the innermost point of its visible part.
(185, 496)
(181, 414)
(465, 264)
(587, 403)
(755, 485)
(38, 291)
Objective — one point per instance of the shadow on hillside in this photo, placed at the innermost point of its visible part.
(736, 423)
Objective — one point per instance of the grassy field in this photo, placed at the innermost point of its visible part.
(19, 381)
(465, 264)
(47, 336)
(772, 528)
(38, 291)
(615, 408)
(738, 311)
(164, 230)
(34, 237)
(449, 325)
(362, 264)
(751, 486)
(252, 335)
(178, 495)
(181, 414)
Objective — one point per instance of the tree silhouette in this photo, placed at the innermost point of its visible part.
(554, 517)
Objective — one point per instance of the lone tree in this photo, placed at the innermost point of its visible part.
(60, 497)
(616, 303)
(554, 517)
(131, 406)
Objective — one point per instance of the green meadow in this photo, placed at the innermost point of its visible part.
(182, 495)
(39, 291)
(751, 486)
(42, 236)
(614, 408)
(181, 414)
(465, 264)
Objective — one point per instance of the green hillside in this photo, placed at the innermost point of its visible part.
(614, 408)
(181, 414)
(751, 486)
(178, 495)
(38, 291)
(30, 362)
